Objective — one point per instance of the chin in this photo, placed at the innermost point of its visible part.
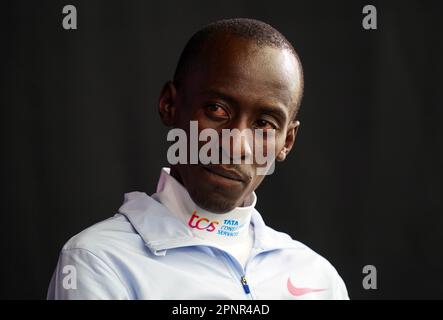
(213, 202)
(212, 193)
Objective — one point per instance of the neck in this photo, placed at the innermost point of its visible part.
(176, 175)
(232, 226)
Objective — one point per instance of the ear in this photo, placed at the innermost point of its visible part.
(291, 133)
(166, 104)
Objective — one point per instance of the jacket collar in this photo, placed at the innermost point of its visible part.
(161, 230)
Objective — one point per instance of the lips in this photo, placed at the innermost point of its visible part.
(226, 173)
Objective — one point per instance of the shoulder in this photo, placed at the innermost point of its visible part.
(105, 236)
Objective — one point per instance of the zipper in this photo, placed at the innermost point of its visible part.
(241, 274)
(245, 285)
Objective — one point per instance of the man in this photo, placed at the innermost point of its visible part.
(199, 236)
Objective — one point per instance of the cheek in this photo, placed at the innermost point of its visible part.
(279, 143)
(187, 112)
(267, 143)
(186, 116)
(255, 183)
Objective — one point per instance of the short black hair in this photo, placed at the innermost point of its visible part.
(260, 32)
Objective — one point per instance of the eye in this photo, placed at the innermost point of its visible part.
(216, 111)
(265, 124)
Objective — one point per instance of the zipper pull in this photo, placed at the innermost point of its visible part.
(244, 283)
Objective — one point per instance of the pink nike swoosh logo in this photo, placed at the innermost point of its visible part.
(300, 291)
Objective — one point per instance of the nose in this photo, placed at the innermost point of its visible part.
(237, 143)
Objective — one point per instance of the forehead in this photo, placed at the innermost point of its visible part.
(239, 67)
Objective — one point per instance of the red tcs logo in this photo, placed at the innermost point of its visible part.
(202, 223)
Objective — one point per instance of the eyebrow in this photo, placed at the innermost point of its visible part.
(275, 110)
(222, 95)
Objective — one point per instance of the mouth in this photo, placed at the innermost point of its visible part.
(224, 172)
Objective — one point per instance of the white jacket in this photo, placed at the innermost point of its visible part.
(144, 252)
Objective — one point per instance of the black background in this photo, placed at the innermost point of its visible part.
(363, 185)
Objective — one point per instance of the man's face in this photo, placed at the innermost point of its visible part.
(234, 84)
